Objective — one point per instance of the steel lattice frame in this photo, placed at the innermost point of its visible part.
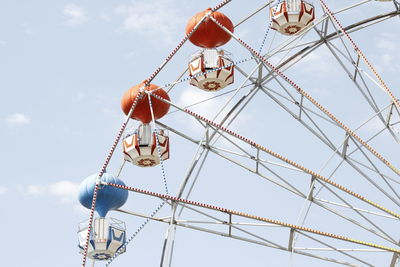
(266, 80)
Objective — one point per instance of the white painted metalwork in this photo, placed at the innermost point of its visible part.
(261, 81)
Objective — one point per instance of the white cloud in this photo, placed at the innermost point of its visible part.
(312, 62)
(35, 190)
(386, 59)
(3, 189)
(75, 14)
(63, 191)
(194, 95)
(27, 29)
(386, 44)
(208, 109)
(79, 97)
(130, 54)
(18, 119)
(159, 18)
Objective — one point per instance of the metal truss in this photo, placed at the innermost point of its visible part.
(316, 193)
(307, 116)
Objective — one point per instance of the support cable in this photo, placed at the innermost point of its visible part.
(302, 92)
(276, 155)
(268, 27)
(145, 222)
(361, 54)
(155, 132)
(124, 124)
(254, 217)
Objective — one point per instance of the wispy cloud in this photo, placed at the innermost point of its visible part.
(18, 119)
(386, 44)
(209, 107)
(311, 63)
(78, 97)
(387, 57)
(3, 189)
(75, 14)
(27, 29)
(159, 18)
(64, 191)
(35, 190)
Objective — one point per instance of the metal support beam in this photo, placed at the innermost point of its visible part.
(345, 145)
(291, 237)
(310, 195)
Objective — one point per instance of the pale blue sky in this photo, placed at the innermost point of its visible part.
(64, 67)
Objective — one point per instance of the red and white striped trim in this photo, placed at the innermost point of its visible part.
(258, 218)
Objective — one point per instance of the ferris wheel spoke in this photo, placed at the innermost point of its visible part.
(173, 84)
(262, 241)
(258, 218)
(369, 167)
(306, 95)
(388, 237)
(166, 255)
(377, 171)
(233, 95)
(322, 136)
(351, 220)
(286, 186)
(232, 225)
(323, 188)
(361, 54)
(358, 72)
(280, 247)
(234, 112)
(259, 239)
(344, 145)
(275, 178)
(311, 46)
(254, 13)
(191, 187)
(328, 115)
(336, 52)
(235, 135)
(341, 251)
(349, 207)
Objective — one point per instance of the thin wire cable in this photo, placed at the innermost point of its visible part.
(158, 145)
(146, 83)
(268, 28)
(361, 54)
(140, 228)
(276, 155)
(98, 180)
(254, 217)
(305, 94)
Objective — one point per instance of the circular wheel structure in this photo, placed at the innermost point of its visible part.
(295, 163)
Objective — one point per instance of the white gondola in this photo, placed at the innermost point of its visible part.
(209, 59)
(107, 237)
(140, 146)
(291, 16)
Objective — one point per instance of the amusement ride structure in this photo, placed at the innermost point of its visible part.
(342, 208)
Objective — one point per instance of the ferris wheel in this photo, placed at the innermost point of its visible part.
(280, 151)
